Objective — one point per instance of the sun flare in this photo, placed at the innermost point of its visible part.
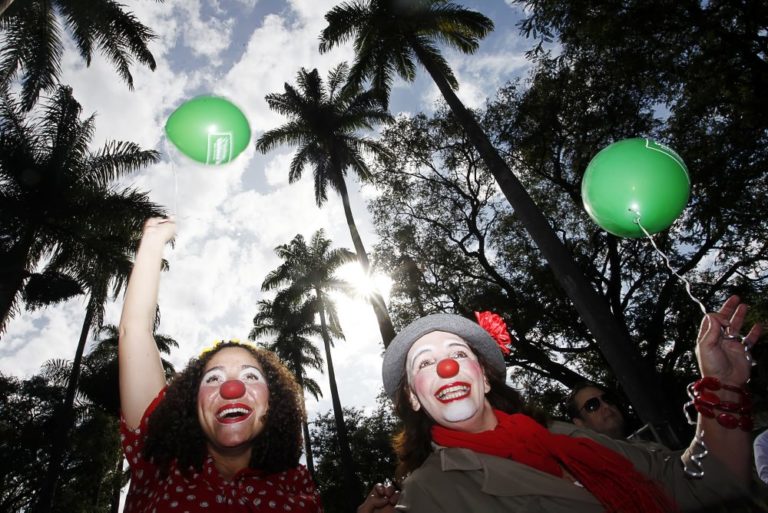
(364, 286)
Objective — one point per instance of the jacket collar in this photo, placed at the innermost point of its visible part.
(508, 478)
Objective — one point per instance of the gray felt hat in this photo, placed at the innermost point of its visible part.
(393, 368)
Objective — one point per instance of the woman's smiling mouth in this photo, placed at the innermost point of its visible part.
(453, 392)
(232, 413)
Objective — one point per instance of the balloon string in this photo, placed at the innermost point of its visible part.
(724, 332)
(175, 210)
(669, 265)
(175, 191)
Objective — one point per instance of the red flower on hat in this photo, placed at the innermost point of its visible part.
(497, 328)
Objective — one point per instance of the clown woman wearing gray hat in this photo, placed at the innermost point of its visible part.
(469, 443)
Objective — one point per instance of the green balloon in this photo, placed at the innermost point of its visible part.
(209, 129)
(635, 180)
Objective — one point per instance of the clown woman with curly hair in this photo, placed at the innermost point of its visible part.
(225, 435)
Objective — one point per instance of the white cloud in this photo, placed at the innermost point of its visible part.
(276, 170)
(207, 37)
(273, 56)
(313, 12)
(227, 230)
(35, 337)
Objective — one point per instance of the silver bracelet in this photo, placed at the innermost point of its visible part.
(694, 468)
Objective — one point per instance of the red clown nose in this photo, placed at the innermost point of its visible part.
(232, 389)
(447, 368)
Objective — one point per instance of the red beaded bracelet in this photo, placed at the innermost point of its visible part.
(705, 401)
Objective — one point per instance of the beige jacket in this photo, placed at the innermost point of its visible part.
(454, 480)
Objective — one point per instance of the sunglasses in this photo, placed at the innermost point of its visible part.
(593, 404)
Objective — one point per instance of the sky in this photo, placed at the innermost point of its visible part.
(230, 218)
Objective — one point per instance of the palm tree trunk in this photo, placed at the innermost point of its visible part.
(377, 302)
(308, 448)
(4, 4)
(64, 423)
(349, 475)
(117, 484)
(636, 378)
(13, 272)
(305, 424)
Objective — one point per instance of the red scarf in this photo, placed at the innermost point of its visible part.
(609, 476)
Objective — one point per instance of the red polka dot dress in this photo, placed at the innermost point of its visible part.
(250, 490)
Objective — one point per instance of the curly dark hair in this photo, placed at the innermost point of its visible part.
(413, 444)
(174, 431)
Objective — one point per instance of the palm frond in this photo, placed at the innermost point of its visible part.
(116, 159)
(343, 22)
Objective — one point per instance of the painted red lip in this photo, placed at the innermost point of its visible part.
(233, 412)
(453, 391)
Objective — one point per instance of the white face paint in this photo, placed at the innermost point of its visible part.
(232, 420)
(456, 401)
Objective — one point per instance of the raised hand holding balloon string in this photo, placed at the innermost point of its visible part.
(720, 397)
(720, 350)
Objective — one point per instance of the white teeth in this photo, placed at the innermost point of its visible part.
(232, 411)
(452, 392)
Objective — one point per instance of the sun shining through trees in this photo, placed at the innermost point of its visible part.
(369, 145)
(364, 285)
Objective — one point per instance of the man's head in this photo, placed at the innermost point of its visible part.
(590, 406)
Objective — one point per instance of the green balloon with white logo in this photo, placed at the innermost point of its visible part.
(635, 182)
(209, 129)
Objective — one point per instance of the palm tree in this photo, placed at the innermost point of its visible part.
(98, 387)
(99, 381)
(33, 40)
(323, 123)
(103, 271)
(307, 272)
(390, 36)
(57, 201)
(292, 326)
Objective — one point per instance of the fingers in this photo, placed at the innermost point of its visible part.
(729, 307)
(381, 496)
(157, 232)
(709, 332)
(737, 319)
(383, 490)
(733, 315)
(156, 221)
(751, 339)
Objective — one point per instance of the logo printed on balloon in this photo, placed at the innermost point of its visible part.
(219, 148)
(663, 148)
(634, 184)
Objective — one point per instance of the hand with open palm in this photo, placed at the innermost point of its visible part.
(719, 353)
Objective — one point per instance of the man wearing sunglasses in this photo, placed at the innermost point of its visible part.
(592, 407)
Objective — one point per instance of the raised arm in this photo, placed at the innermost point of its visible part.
(141, 370)
(724, 358)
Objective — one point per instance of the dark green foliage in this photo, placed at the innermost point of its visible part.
(88, 465)
(370, 438)
(44, 289)
(472, 253)
(32, 409)
(31, 33)
(59, 205)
